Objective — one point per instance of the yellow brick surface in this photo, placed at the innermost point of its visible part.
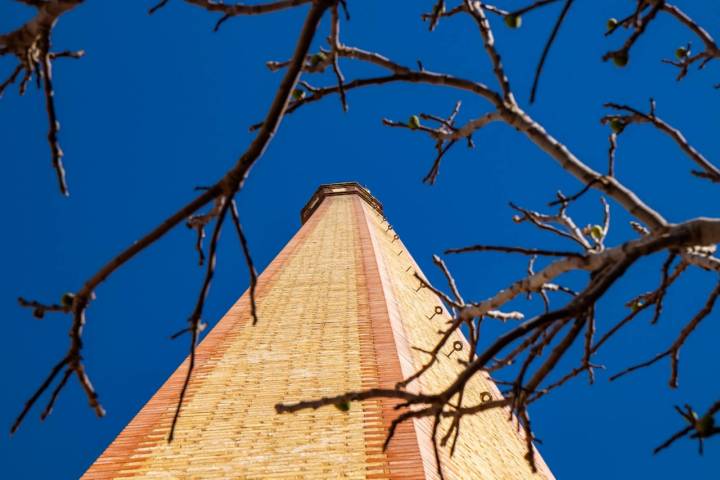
(489, 446)
(338, 311)
(305, 346)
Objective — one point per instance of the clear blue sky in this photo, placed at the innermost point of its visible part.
(161, 104)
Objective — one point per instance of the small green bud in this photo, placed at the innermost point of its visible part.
(612, 23)
(620, 58)
(617, 125)
(597, 233)
(414, 122)
(681, 53)
(513, 21)
(343, 406)
(298, 94)
(67, 299)
(635, 304)
(705, 425)
(316, 59)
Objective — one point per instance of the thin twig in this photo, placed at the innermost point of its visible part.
(248, 259)
(546, 49)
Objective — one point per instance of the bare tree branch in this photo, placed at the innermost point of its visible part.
(227, 186)
(674, 351)
(248, 260)
(537, 344)
(30, 44)
(709, 170)
(546, 49)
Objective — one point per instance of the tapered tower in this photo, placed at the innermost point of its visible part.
(339, 310)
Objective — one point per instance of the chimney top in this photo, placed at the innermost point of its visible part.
(340, 188)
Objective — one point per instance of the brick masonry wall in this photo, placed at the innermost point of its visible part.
(337, 312)
(489, 446)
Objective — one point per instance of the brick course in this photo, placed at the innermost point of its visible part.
(337, 312)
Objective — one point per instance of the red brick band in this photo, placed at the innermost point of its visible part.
(380, 362)
(152, 424)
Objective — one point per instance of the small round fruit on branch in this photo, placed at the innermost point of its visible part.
(620, 58)
(513, 21)
(414, 122)
(67, 299)
(617, 125)
(318, 58)
(682, 53)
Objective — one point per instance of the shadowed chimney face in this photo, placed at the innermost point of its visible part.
(339, 309)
